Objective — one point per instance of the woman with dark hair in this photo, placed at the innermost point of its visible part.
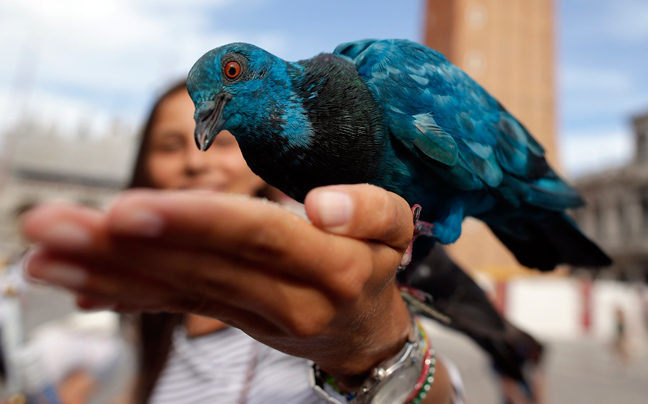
(191, 260)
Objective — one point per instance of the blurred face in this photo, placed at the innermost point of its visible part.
(174, 161)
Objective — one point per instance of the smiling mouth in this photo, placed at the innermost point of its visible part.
(209, 120)
(205, 186)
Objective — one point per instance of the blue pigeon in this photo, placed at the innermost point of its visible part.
(398, 115)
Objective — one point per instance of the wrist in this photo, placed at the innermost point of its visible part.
(364, 349)
(403, 378)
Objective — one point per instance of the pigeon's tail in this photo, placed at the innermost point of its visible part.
(546, 240)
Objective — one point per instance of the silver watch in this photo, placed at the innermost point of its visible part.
(392, 381)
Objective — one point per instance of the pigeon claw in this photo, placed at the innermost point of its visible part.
(421, 228)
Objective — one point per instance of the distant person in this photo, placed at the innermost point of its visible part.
(621, 343)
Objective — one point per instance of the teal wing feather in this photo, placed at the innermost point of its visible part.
(467, 137)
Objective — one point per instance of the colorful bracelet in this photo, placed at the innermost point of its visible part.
(429, 368)
(416, 354)
(333, 384)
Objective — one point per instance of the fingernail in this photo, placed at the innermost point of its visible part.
(66, 275)
(141, 222)
(26, 266)
(67, 235)
(334, 208)
(406, 259)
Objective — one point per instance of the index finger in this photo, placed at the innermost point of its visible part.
(361, 211)
(246, 228)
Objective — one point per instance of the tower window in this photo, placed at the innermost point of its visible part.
(476, 16)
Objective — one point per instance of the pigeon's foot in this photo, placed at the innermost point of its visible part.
(421, 228)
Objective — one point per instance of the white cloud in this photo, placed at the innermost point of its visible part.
(83, 54)
(619, 20)
(594, 92)
(627, 20)
(66, 114)
(593, 151)
(579, 78)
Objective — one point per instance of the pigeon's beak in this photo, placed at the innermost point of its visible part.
(209, 120)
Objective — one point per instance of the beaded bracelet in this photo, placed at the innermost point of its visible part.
(427, 373)
(332, 383)
(417, 350)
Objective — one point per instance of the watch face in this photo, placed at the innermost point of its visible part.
(399, 386)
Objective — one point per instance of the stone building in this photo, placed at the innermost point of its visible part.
(42, 164)
(617, 212)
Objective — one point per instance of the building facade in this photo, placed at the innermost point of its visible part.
(42, 164)
(507, 47)
(616, 215)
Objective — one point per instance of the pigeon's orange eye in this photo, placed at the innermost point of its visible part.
(232, 69)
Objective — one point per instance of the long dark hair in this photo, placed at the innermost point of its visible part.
(140, 177)
(154, 330)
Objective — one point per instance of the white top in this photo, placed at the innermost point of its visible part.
(229, 367)
(224, 366)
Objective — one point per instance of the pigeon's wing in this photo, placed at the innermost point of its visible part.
(444, 117)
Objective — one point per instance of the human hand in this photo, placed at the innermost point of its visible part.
(323, 291)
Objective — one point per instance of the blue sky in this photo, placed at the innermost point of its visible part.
(602, 65)
(72, 63)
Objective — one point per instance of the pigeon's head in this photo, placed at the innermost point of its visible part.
(229, 85)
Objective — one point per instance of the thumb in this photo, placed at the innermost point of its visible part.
(361, 211)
